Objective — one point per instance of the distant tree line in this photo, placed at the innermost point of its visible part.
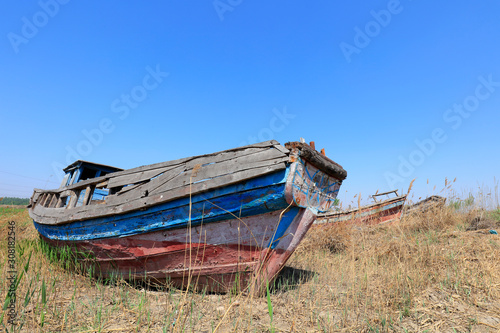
(14, 201)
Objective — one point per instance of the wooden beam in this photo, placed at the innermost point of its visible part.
(73, 199)
(87, 196)
(321, 162)
(135, 177)
(53, 200)
(46, 199)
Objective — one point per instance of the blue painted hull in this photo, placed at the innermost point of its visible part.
(254, 197)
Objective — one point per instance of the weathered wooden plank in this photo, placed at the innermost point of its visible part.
(36, 195)
(218, 165)
(221, 154)
(85, 183)
(232, 153)
(320, 161)
(129, 188)
(66, 193)
(218, 169)
(195, 188)
(86, 197)
(282, 149)
(135, 177)
(150, 186)
(101, 185)
(235, 177)
(51, 215)
(48, 199)
(226, 154)
(53, 200)
(73, 200)
(268, 143)
(54, 216)
(43, 197)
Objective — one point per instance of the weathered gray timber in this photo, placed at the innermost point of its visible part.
(319, 160)
(123, 191)
(149, 185)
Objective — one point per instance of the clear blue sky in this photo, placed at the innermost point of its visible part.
(152, 81)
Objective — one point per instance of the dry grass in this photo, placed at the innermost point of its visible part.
(426, 273)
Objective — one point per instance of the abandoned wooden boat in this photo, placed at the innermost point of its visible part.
(385, 211)
(225, 219)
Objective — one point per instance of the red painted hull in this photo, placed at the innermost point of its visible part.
(223, 256)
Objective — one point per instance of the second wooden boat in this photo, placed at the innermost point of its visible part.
(379, 212)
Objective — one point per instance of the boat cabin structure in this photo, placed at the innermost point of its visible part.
(77, 172)
(83, 170)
